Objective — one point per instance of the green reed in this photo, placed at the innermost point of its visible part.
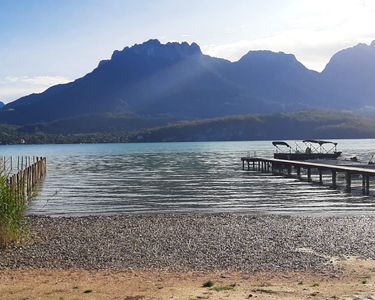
(12, 207)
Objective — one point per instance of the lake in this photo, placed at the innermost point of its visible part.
(95, 179)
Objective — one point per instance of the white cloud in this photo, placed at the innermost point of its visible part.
(7, 94)
(324, 28)
(313, 49)
(36, 80)
(14, 87)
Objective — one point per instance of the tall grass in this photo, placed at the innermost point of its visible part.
(12, 207)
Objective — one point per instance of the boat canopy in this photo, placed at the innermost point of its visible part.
(319, 142)
(281, 144)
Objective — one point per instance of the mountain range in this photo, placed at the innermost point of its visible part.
(176, 81)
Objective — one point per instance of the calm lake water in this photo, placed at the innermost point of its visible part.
(180, 177)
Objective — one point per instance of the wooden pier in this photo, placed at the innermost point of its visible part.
(292, 168)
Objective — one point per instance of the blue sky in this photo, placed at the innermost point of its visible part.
(44, 42)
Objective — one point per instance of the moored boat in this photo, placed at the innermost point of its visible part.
(314, 149)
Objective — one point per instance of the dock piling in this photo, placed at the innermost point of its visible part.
(309, 174)
(334, 180)
(363, 184)
(348, 181)
(320, 176)
(289, 170)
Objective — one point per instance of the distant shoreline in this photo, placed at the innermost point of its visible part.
(116, 129)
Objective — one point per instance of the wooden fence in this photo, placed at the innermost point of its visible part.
(24, 172)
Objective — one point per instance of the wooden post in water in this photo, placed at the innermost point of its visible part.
(29, 168)
(348, 181)
(334, 177)
(299, 172)
(320, 176)
(277, 168)
(27, 181)
(308, 174)
(363, 184)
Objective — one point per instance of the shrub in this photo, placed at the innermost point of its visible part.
(208, 284)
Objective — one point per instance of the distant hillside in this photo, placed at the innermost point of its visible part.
(127, 128)
(301, 125)
(97, 123)
(177, 81)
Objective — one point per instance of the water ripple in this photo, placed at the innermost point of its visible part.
(179, 177)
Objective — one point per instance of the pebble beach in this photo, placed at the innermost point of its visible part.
(170, 256)
(192, 242)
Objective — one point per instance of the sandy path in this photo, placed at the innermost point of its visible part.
(355, 279)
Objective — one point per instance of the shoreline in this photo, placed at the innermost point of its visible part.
(250, 213)
(159, 256)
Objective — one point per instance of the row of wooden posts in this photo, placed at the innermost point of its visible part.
(25, 179)
(11, 164)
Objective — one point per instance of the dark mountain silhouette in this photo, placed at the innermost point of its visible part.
(276, 77)
(151, 78)
(349, 77)
(175, 80)
(1, 104)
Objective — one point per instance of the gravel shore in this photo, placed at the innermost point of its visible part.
(192, 242)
